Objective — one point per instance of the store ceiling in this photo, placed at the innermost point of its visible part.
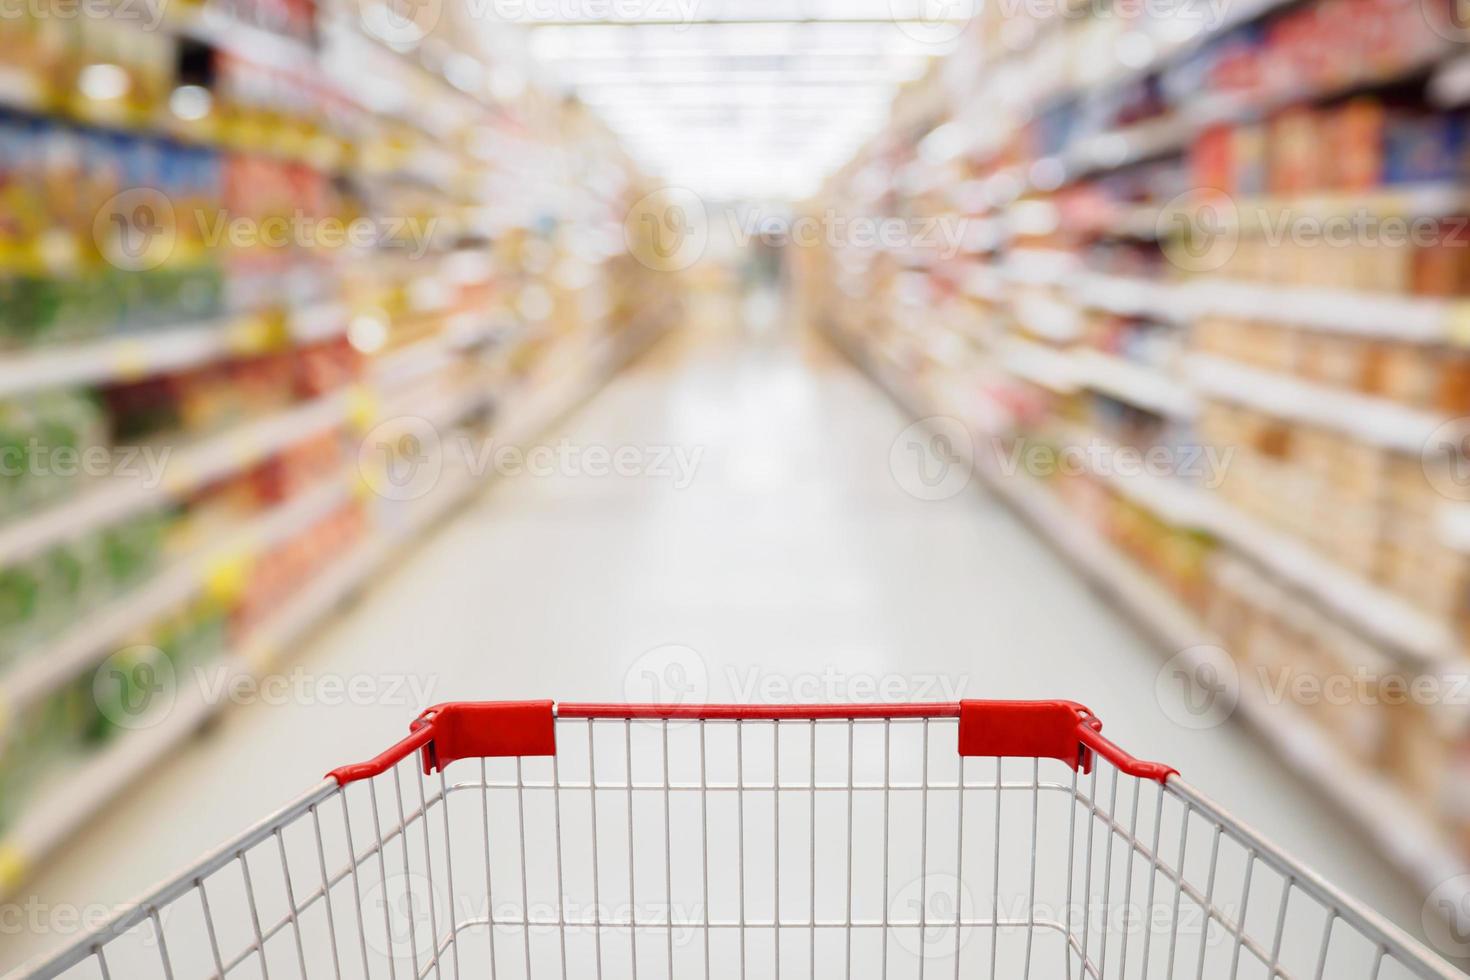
(740, 99)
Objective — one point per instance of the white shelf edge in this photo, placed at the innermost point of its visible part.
(1374, 420)
(155, 351)
(1132, 296)
(1136, 384)
(1414, 319)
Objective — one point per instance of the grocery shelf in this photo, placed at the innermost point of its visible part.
(1039, 266)
(1399, 830)
(1148, 388)
(1171, 499)
(414, 361)
(1392, 621)
(114, 498)
(1413, 319)
(984, 282)
(1452, 521)
(1172, 133)
(1041, 365)
(1374, 420)
(60, 661)
(217, 29)
(163, 350)
(1047, 317)
(1121, 147)
(70, 801)
(1233, 15)
(1133, 296)
(1406, 201)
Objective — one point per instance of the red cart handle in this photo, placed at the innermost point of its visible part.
(1063, 730)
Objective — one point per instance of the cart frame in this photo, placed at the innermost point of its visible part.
(1054, 732)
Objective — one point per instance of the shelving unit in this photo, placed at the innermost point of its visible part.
(1145, 293)
(330, 344)
(194, 466)
(83, 791)
(1393, 823)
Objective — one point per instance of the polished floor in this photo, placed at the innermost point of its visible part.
(791, 566)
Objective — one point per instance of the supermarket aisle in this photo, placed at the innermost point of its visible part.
(791, 566)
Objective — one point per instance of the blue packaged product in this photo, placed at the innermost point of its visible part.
(1424, 148)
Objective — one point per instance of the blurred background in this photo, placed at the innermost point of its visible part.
(359, 356)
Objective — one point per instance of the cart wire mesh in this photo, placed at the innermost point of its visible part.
(725, 844)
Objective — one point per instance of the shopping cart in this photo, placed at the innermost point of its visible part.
(994, 839)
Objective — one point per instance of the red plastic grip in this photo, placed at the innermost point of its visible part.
(487, 730)
(1062, 730)
(466, 730)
